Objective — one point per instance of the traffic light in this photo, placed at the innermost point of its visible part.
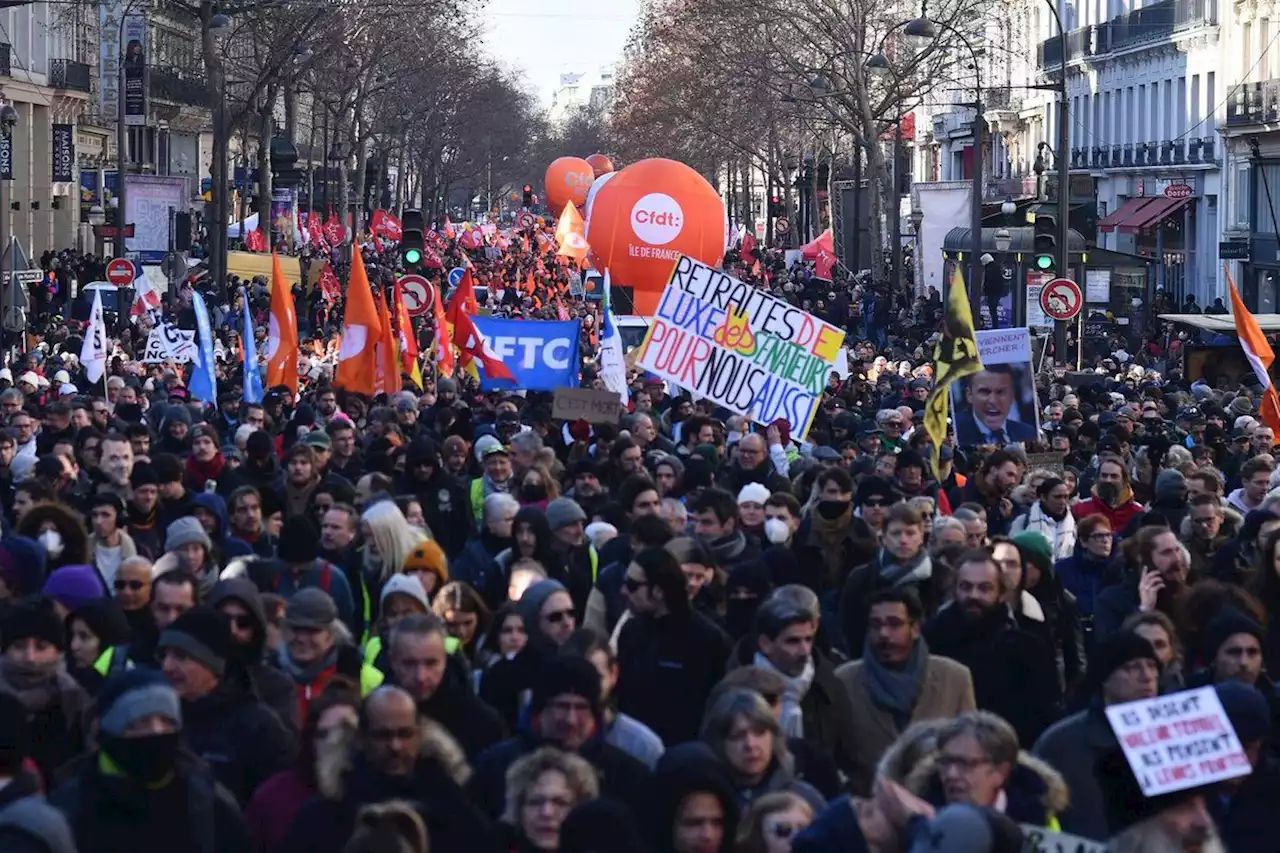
(1045, 246)
(412, 239)
(776, 207)
(528, 196)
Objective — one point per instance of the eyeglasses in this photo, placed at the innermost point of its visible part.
(131, 585)
(555, 617)
(961, 762)
(633, 585)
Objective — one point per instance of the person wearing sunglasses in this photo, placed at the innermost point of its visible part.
(238, 600)
(771, 823)
(872, 500)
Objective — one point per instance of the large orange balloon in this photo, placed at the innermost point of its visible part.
(568, 180)
(646, 217)
(601, 164)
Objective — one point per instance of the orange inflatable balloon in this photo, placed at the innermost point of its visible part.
(601, 164)
(568, 180)
(648, 215)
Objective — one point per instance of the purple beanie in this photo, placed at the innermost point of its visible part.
(72, 586)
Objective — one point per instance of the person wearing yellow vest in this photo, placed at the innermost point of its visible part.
(402, 596)
(496, 462)
(312, 654)
(978, 761)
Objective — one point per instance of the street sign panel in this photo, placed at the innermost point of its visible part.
(782, 225)
(527, 219)
(121, 272)
(1178, 191)
(1061, 299)
(1233, 250)
(455, 276)
(418, 294)
(28, 276)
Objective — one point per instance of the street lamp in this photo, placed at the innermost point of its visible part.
(1003, 240)
(1008, 208)
(916, 218)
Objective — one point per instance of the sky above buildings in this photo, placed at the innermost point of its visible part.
(546, 38)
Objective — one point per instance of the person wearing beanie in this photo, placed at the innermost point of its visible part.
(1042, 605)
(33, 668)
(300, 567)
(872, 500)
(1169, 497)
(565, 712)
(139, 785)
(175, 499)
(427, 562)
(569, 544)
(241, 739)
(1232, 651)
(71, 586)
(402, 596)
(1050, 516)
(443, 499)
(1123, 668)
(188, 547)
(28, 824)
(142, 511)
(21, 567)
(1244, 811)
(240, 603)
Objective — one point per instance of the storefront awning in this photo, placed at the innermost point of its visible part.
(1122, 215)
(1153, 214)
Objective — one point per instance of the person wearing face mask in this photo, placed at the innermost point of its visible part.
(1112, 494)
(56, 527)
(139, 785)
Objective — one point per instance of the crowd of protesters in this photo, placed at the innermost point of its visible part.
(440, 619)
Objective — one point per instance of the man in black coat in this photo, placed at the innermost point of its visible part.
(242, 739)
(445, 504)
(395, 761)
(1014, 673)
(437, 681)
(567, 713)
(238, 601)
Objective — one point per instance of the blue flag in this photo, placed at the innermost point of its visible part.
(252, 373)
(204, 382)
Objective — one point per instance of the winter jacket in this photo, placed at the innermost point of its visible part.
(249, 666)
(1119, 516)
(1035, 793)
(1060, 615)
(1061, 534)
(274, 806)
(472, 723)
(445, 508)
(928, 582)
(28, 824)
(1085, 577)
(1072, 746)
(477, 565)
(1204, 551)
(240, 738)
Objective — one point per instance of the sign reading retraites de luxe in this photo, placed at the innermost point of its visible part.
(740, 347)
(587, 404)
(1179, 740)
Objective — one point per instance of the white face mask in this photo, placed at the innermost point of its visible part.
(52, 542)
(776, 530)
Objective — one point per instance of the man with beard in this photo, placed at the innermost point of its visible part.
(585, 486)
(1014, 673)
(1158, 583)
(326, 406)
(902, 562)
(237, 599)
(420, 663)
(245, 506)
(991, 488)
(1112, 494)
(344, 454)
(301, 478)
(752, 464)
(115, 465)
(715, 523)
(896, 683)
(143, 511)
(443, 500)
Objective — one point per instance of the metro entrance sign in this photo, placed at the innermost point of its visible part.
(1061, 299)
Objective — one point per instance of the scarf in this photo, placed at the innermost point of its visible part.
(895, 573)
(306, 674)
(37, 686)
(492, 487)
(830, 534)
(727, 548)
(199, 473)
(791, 717)
(896, 690)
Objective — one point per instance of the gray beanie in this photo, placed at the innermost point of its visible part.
(530, 604)
(1171, 484)
(564, 511)
(184, 531)
(136, 693)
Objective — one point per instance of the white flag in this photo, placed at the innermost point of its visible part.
(613, 365)
(93, 353)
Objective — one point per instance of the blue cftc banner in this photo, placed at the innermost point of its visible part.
(542, 354)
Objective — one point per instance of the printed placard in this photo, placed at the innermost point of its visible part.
(587, 404)
(1180, 740)
(740, 347)
(998, 405)
(1037, 839)
(168, 342)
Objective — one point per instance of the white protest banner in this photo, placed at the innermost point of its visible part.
(1037, 839)
(168, 342)
(740, 347)
(1004, 346)
(1180, 740)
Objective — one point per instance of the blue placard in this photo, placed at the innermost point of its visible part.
(542, 354)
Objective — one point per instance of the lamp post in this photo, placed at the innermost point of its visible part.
(97, 218)
(8, 118)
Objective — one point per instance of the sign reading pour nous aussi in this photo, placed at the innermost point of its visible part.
(735, 344)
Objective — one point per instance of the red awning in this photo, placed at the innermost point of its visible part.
(1152, 214)
(1124, 214)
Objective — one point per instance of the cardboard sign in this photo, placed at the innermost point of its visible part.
(1180, 740)
(1050, 461)
(1037, 839)
(587, 404)
(740, 347)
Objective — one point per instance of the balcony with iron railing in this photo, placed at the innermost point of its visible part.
(6, 52)
(70, 75)
(169, 85)
(1254, 103)
(1153, 23)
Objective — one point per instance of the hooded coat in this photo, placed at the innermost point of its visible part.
(250, 667)
(472, 723)
(227, 546)
(1036, 793)
(75, 539)
(691, 768)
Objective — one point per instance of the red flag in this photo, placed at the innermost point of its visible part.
(334, 231)
(408, 341)
(464, 299)
(431, 259)
(385, 225)
(823, 242)
(330, 287)
(472, 346)
(824, 265)
(748, 246)
(445, 363)
(255, 241)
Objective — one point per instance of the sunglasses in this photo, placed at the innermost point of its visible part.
(133, 586)
(633, 585)
(557, 616)
(240, 620)
(875, 502)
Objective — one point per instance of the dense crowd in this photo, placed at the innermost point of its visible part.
(441, 619)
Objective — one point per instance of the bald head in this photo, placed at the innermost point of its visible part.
(388, 700)
(752, 442)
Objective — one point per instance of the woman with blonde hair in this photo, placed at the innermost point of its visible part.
(389, 539)
(772, 822)
(542, 788)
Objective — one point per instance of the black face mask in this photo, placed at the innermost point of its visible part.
(533, 493)
(148, 759)
(831, 510)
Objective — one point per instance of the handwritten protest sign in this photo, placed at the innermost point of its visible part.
(1037, 839)
(740, 347)
(588, 404)
(167, 342)
(1180, 740)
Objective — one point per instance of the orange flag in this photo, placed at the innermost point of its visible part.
(464, 299)
(282, 334)
(445, 362)
(361, 328)
(571, 234)
(1259, 353)
(408, 341)
(387, 347)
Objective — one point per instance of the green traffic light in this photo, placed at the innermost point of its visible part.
(412, 256)
(1044, 262)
